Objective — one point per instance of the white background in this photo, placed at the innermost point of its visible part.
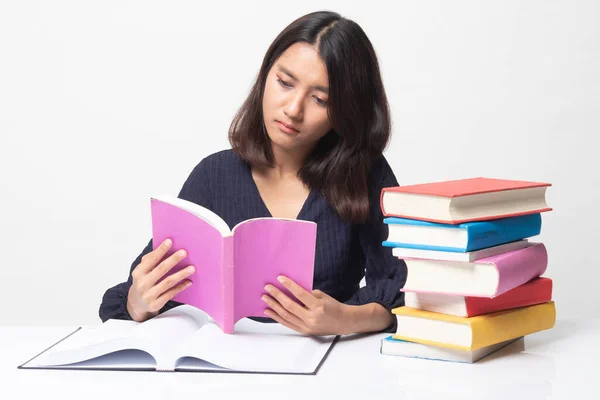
(104, 104)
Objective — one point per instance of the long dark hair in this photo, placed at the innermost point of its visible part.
(357, 107)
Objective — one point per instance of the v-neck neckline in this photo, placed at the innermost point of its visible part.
(264, 205)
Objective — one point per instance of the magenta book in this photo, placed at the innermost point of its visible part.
(233, 265)
(518, 266)
(486, 277)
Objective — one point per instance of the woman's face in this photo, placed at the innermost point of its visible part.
(296, 94)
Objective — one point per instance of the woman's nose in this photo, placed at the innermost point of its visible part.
(295, 107)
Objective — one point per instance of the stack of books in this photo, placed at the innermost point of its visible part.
(474, 282)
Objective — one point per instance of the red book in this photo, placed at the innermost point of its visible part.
(536, 291)
(465, 200)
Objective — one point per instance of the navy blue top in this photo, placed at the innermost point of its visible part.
(345, 252)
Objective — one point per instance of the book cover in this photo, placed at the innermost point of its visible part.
(536, 291)
(465, 187)
(501, 273)
(482, 330)
(233, 266)
(476, 235)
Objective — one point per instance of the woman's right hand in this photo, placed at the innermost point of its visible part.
(146, 295)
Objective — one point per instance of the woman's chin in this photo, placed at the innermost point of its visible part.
(284, 140)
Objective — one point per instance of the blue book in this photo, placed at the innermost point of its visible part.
(461, 238)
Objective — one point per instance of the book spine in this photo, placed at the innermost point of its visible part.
(506, 325)
(520, 266)
(492, 233)
(228, 285)
(536, 291)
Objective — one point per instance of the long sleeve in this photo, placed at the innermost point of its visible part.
(114, 302)
(385, 274)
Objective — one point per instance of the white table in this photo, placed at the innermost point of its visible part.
(561, 363)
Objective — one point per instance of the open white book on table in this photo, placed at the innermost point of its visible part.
(186, 339)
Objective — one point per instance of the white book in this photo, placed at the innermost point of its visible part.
(186, 339)
(403, 252)
(463, 200)
(395, 347)
(437, 302)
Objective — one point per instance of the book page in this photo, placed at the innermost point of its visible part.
(90, 342)
(168, 328)
(207, 215)
(94, 335)
(122, 359)
(253, 347)
(107, 344)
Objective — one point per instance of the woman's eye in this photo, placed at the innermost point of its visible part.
(288, 85)
(283, 83)
(321, 101)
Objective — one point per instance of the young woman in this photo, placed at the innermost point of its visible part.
(306, 144)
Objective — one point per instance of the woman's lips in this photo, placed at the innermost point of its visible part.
(286, 128)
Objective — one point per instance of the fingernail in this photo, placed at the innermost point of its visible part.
(191, 269)
(268, 288)
(167, 242)
(281, 279)
(188, 284)
(181, 253)
(264, 298)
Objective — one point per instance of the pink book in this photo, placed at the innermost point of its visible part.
(486, 277)
(233, 265)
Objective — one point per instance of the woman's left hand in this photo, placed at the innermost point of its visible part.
(319, 314)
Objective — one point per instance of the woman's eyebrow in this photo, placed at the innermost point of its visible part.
(287, 72)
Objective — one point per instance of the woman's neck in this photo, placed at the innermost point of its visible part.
(287, 163)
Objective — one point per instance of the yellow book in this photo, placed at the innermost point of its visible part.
(472, 333)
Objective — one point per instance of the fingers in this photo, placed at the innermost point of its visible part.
(286, 315)
(147, 295)
(272, 314)
(150, 260)
(165, 266)
(287, 303)
(172, 280)
(169, 294)
(298, 291)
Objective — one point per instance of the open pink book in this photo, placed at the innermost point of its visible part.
(233, 265)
